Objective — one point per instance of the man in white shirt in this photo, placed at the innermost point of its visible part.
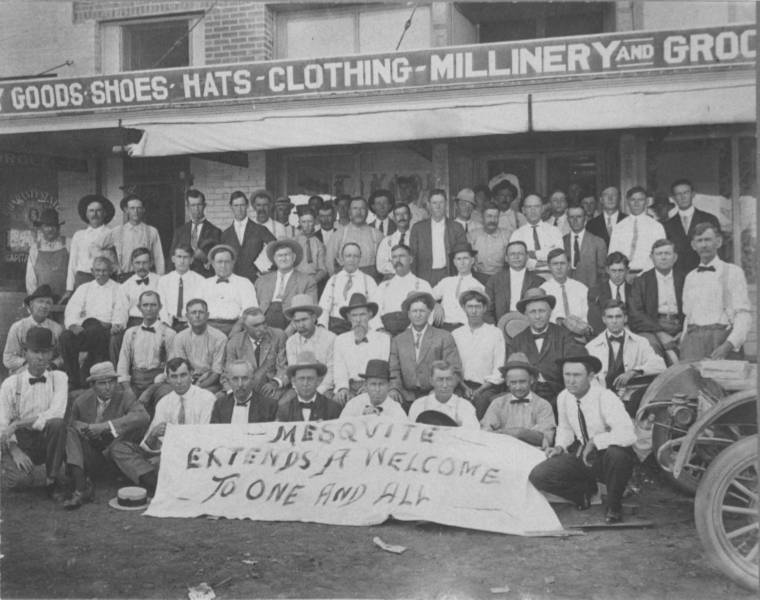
(635, 235)
(539, 237)
(178, 287)
(97, 211)
(242, 404)
(226, 294)
(571, 295)
(604, 224)
(465, 205)
(375, 400)
(483, 351)
(185, 405)
(445, 379)
(449, 290)
(96, 311)
(261, 202)
(357, 231)
(715, 303)
(593, 442)
(558, 218)
(402, 215)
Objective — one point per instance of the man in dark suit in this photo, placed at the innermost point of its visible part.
(246, 238)
(381, 203)
(101, 416)
(615, 287)
(655, 305)
(196, 232)
(543, 343)
(242, 404)
(586, 253)
(308, 404)
(603, 225)
(680, 227)
(431, 241)
(416, 349)
(507, 288)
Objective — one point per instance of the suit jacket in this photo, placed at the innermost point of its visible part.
(643, 301)
(183, 234)
(323, 410)
(409, 375)
(392, 227)
(272, 354)
(261, 409)
(299, 283)
(559, 342)
(597, 296)
(128, 417)
(598, 226)
(499, 291)
(593, 259)
(637, 354)
(688, 259)
(254, 239)
(421, 243)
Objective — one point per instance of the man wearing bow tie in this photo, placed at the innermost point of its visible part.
(227, 294)
(308, 404)
(242, 404)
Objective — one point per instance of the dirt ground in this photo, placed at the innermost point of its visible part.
(99, 552)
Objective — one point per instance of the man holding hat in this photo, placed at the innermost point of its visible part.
(465, 205)
(135, 233)
(261, 202)
(521, 413)
(593, 443)
(314, 263)
(227, 294)
(416, 349)
(490, 242)
(449, 289)
(245, 238)
(48, 260)
(381, 203)
(101, 416)
(242, 404)
(543, 343)
(32, 407)
(308, 404)
(445, 378)
(375, 400)
(355, 348)
(96, 211)
(275, 290)
(39, 305)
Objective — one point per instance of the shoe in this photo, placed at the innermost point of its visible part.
(54, 491)
(585, 503)
(614, 515)
(80, 498)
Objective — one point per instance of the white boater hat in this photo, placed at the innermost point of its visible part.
(130, 498)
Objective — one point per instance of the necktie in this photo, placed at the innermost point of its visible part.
(635, 238)
(101, 410)
(180, 298)
(466, 226)
(685, 221)
(609, 226)
(536, 243)
(576, 252)
(401, 239)
(556, 221)
(565, 303)
(382, 228)
(582, 421)
(278, 292)
(309, 256)
(417, 338)
(220, 280)
(194, 237)
(257, 353)
(181, 415)
(539, 336)
(142, 281)
(459, 287)
(148, 329)
(40, 379)
(617, 294)
(703, 269)
(349, 285)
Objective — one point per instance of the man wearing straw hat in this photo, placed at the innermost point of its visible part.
(308, 404)
(48, 260)
(375, 400)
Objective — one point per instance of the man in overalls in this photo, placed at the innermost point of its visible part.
(48, 260)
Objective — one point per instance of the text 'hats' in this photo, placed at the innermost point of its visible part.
(482, 295)
(518, 360)
(306, 360)
(467, 195)
(302, 302)
(462, 247)
(126, 199)
(377, 368)
(101, 372)
(130, 498)
(102, 200)
(285, 243)
(358, 301)
(415, 297)
(591, 361)
(534, 295)
(49, 216)
(39, 339)
(44, 291)
(219, 248)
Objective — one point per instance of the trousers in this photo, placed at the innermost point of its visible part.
(85, 453)
(46, 446)
(94, 341)
(133, 461)
(701, 340)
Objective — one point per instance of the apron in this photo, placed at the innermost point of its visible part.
(52, 268)
(275, 317)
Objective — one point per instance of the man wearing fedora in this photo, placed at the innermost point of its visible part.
(242, 404)
(508, 287)
(103, 415)
(449, 289)
(490, 242)
(32, 407)
(313, 263)
(96, 311)
(355, 348)
(38, 304)
(196, 231)
(521, 413)
(465, 207)
(303, 314)
(135, 233)
(227, 294)
(276, 290)
(593, 441)
(357, 232)
(48, 259)
(308, 404)
(375, 400)
(543, 343)
(445, 378)
(381, 203)
(96, 211)
(384, 262)
(416, 349)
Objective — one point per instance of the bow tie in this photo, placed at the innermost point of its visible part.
(242, 402)
(539, 336)
(361, 341)
(703, 269)
(514, 400)
(616, 338)
(40, 379)
(150, 329)
(143, 281)
(308, 405)
(220, 280)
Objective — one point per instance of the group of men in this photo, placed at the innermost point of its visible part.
(508, 317)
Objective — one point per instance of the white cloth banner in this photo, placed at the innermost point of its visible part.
(351, 472)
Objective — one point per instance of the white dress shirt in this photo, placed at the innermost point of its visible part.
(548, 236)
(240, 229)
(276, 228)
(516, 280)
(107, 303)
(133, 291)
(322, 345)
(168, 289)
(281, 282)
(446, 290)
(240, 411)
(228, 300)
(80, 257)
(199, 404)
(610, 221)
(686, 215)
(43, 401)
(648, 232)
(438, 237)
(482, 351)
(560, 223)
(141, 349)
(459, 409)
(391, 293)
(614, 290)
(327, 235)
(384, 263)
(667, 304)
(638, 355)
(351, 358)
(469, 226)
(126, 238)
(388, 408)
(577, 299)
(14, 355)
(334, 297)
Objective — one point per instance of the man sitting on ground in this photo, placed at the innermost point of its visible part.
(308, 404)
(445, 379)
(242, 404)
(375, 400)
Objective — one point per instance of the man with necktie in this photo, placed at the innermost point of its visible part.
(308, 404)
(558, 218)
(586, 252)
(227, 294)
(313, 263)
(635, 235)
(195, 232)
(242, 404)
(384, 262)
(616, 287)
(178, 287)
(593, 441)
(247, 238)
(538, 236)
(465, 207)
(381, 203)
(604, 224)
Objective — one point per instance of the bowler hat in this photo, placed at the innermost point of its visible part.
(518, 360)
(377, 368)
(415, 297)
(285, 243)
(462, 247)
(49, 216)
(101, 372)
(39, 339)
(302, 302)
(467, 195)
(591, 361)
(219, 248)
(358, 301)
(44, 291)
(534, 295)
(437, 418)
(306, 360)
(482, 295)
(126, 199)
(102, 200)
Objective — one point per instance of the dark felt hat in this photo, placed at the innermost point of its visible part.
(414, 297)
(462, 247)
(102, 200)
(49, 216)
(434, 417)
(44, 291)
(381, 193)
(358, 301)
(128, 197)
(377, 368)
(591, 361)
(39, 339)
(533, 295)
(285, 243)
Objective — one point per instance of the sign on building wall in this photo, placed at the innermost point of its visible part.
(617, 54)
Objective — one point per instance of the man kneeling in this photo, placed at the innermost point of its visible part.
(593, 442)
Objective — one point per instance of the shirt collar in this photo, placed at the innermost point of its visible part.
(313, 398)
(715, 262)
(91, 228)
(415, 332)
(667, 277)
(129, 225)
(689, 212)
(614, 216)
(580, 234)
(527, 399)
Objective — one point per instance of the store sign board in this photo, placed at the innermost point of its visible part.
(608, 54)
